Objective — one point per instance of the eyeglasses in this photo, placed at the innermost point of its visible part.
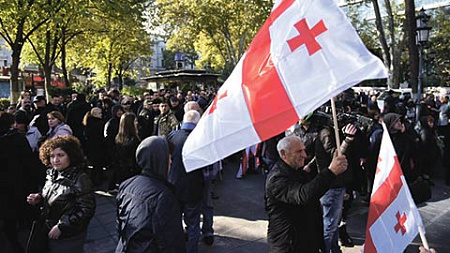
(126, 103)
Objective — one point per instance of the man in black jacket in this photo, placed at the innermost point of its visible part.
(292, 199)
(332, 201)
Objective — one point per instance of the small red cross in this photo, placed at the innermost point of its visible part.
(401, 223)
(307, 36)
(216, 99)
(378, 169)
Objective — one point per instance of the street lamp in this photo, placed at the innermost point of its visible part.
(422, 37)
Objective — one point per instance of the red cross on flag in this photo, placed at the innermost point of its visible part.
(393, 216)
(304, 54)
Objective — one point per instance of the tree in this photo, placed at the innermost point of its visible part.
(18, 21)
(116, 38)
(391, 31)
(410, 14)
(392, 38)
(440, 42)
(219, 30)
(48, 44)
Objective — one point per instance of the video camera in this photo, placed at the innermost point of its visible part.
(361, 122)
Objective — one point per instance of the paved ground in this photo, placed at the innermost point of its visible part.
(240, 220)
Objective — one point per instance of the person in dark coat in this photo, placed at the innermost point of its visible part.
(40, 115)
(148, 212)
(176, 108)
(146, 120)
(332, 201)
(75, 114)
(112, 129)
(292, 199)
(189, 186)
(126, 143)
(95, 145)
(15, 173)
(404, 145)
(67, 199)
(429, 151)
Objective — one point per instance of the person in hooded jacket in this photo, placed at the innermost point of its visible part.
(404, 145)
(148, 212)
(429, 151)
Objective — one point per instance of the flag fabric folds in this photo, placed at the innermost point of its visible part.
(304, 54)
(393, 216)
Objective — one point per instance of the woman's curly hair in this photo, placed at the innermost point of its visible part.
(69, 144)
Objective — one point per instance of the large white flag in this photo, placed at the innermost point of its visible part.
(393, 216)
(304, 54)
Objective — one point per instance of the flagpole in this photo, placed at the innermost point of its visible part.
(423, 238)
(336, 127)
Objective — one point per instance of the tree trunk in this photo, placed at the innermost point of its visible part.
(382, 37)
(120, 76)
(16, 48)
(63, 59)
(48, 80)
(14, 81)
(412, 47)
(47, 66)
(108, 77)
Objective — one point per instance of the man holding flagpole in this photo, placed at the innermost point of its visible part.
(304, 54)
(292, 199)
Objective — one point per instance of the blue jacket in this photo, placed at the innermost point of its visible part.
(189, 186)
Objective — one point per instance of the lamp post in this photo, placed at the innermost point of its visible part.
(422, 37)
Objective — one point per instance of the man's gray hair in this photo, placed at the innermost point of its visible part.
(285, 143)
(191, 116)
(191, 105)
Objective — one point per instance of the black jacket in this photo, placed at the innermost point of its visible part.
(75, 113)
(69, 200)
(148, 214)
(15, 174)
(95, 144)
(295, 214)
(325, 146)
(146, 121)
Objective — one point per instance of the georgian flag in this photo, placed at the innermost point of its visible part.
(393, 216)
(304, 54)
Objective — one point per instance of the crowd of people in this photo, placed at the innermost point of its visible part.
(62, 150)
(310, 187)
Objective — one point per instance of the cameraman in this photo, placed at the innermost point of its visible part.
(332, 201)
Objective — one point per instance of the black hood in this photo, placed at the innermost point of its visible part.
(152, 155)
